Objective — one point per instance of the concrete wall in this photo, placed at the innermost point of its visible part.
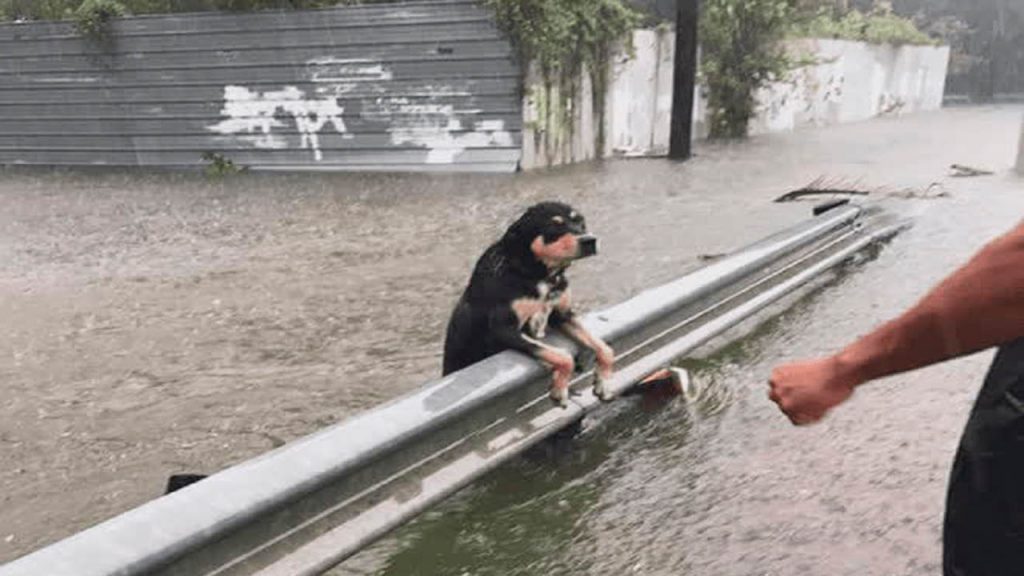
(553, 136)
(638, 105)
(851, 81)
(639, 96)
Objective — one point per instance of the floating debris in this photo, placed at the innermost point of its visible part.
(825, 187)
(961, 171)
(840, 189)
(710, 257)
(934, 190)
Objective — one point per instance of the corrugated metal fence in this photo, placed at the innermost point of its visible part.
(401, 86)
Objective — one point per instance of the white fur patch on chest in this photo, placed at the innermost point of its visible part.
(533, 313)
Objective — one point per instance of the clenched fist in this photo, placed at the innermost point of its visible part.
(806, 391)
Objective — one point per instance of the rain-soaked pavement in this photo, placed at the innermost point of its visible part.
(163, 323)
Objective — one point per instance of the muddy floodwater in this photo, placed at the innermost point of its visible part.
(157, 323)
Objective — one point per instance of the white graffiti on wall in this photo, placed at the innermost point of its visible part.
(419, 119)
(252, 117)
(338, 76)
(446, 142)
(437, 128)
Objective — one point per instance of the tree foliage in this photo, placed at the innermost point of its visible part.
(742, 51)
(878, 26)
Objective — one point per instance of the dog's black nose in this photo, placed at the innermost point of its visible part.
(588, 245)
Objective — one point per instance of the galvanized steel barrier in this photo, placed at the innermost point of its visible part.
(307, 506)
(1020, 151)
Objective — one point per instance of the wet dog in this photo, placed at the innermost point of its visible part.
(519, 289)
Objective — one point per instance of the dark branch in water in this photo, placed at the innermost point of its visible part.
(824, 187)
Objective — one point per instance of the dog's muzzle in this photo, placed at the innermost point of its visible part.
(587, 246)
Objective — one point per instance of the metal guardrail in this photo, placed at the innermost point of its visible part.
(1020, 151)
(307, 506)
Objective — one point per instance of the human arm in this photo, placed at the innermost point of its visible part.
(979, 306)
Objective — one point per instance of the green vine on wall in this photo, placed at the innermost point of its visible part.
(92, 19)
(564, 38)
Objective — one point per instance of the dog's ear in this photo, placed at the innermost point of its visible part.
(518, 232)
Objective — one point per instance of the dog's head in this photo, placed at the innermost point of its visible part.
(555, 234)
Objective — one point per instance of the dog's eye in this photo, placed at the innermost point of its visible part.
(558, 220)
(575, 217)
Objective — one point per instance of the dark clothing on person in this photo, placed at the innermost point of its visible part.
(983, 533)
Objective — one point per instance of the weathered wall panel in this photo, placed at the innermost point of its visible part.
(403, 86)
(851, 81)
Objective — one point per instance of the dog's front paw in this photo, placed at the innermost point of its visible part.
(605, 360)
(601, 390)
(559, 396)
(563, 367)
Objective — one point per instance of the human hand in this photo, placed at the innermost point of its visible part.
(806, 391)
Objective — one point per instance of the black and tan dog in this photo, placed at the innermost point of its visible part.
(518, 290)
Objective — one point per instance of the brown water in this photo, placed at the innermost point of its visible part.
(161, 323)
